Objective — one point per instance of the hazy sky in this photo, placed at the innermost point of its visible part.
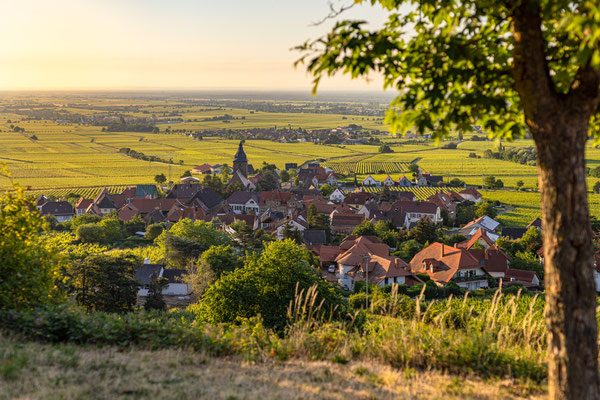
(163, 43)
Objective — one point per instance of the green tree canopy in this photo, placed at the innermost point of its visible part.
(29, 267)
(265, 285)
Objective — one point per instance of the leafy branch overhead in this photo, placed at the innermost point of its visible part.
(458, 63)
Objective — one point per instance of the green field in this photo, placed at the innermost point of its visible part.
(77, 158)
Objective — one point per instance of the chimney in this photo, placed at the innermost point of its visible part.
(485, 252)
(442, 249)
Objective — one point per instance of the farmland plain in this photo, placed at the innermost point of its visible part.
(49, 154)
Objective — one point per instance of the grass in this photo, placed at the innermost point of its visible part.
(64, 371)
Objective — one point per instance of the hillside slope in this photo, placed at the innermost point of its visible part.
(43, 371)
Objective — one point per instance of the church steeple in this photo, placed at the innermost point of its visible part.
(240, 161)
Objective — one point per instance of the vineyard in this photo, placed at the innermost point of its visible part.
(365, 167)
(85, 192)
(422, 193)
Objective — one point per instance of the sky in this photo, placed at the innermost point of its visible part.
(178, 44)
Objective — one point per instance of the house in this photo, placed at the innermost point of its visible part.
(145, 274)
(536, 223)
(490, 225)
(337, 196)
(297, 223)
(403, 181)
(444, 263)
(128, 212)
(471, 194)
(513, 233)
(493, 261)
(427, 179)
(529, 279)
(278, 200)
(314, 237)
(289, 166)
(244, 202)
(176, 286)
(183, 191)
(446, 201)
(61, 210)
(238, 177)
(370, 181)
(345, 223)
(388, 181)
(102, 204)
(179, 212)
(416, 210)
(204, 169)
(366, 257)
(207, 199)
(189, 179)
(82, 205)
(479, 240)
(358, 199)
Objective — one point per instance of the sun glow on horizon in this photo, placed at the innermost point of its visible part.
(72, 44)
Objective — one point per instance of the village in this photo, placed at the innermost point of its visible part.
(336, 225)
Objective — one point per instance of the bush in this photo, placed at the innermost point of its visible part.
(153, 231)
(28, 265)
(90, 233)
(266, 285)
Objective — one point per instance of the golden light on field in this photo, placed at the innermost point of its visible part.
(154, 44)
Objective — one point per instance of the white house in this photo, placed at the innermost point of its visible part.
(147, 272)
(388, 181)
(242, 202)
(297, 224)
(403, 181)
(370, 181)
(337, 196)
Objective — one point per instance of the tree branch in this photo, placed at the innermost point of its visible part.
(333, 12)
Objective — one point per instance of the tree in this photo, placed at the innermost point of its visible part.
(289, 232)
(186, 174)
(385, 148)
(597, 187)
(222, 258)
(284, 175)
(532, 240)
(520, 184)
(489, 182)
(485, 208)
(160, 179)
(414, 168)
(425, 231)
(385, 194)
(29, 268)
(106, 283)
(268, 180)
(326, 190)
(266, 285)
(89, 233)
(155, 300)
(512, 67)
(153, 231)
(365, 228)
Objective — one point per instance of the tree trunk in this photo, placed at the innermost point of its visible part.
(568, 255)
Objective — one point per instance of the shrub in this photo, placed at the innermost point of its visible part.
(266, 285)
(90, 233)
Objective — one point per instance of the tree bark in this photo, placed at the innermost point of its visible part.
(568, 254)
(559, 124)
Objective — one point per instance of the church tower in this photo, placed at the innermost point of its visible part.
(240, 161)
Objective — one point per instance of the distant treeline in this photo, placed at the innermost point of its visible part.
(523, 155)
(131, 126)
(142, 156)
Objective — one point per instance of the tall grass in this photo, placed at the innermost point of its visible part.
(502, 336)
